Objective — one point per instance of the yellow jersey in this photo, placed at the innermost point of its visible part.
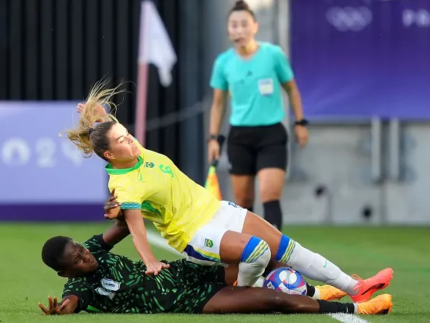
(176, 205)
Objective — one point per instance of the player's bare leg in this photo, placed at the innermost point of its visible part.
(312, 265)
(248, 300)
(258, 300)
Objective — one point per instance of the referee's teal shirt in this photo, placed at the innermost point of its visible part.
(254, 84)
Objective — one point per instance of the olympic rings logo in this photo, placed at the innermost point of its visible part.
(420, 18)
(349, 18)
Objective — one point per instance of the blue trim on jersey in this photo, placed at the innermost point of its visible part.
(190, 251)
(130, 206)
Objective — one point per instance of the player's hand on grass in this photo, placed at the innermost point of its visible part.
(112, 207)
(54, 307)
(154, 267)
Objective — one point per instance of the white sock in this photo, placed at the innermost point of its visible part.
(355, 308)
(318, 268)
(317, 294)
(249, 273)
(259, 282)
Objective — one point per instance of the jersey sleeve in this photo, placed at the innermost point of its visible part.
(96, 243)
(77, 287)
(218, 79)
(129, 198)
(282, 66)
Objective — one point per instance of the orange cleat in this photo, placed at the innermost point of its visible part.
(381, 304)
(330, 293)
(365, 288)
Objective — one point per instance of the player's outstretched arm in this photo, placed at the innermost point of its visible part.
(119, 230)
(138, 231)
(116, 233)
(67, 306)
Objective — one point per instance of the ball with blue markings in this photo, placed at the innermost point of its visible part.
(286, 280)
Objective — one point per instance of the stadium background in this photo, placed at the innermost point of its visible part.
(363, 69)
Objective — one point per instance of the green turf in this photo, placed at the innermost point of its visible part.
(25, 280)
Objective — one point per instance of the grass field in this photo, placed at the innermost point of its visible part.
(25, 280)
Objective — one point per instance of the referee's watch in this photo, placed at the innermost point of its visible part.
(302, 123)
(213, 137)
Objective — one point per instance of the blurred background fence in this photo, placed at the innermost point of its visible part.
(363, 68)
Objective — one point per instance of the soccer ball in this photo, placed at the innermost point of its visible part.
(286, 280)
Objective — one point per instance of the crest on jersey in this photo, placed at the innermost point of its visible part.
(209, 243)
(149, 165)
(109, 288)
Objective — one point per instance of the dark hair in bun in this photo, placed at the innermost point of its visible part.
(242, 6)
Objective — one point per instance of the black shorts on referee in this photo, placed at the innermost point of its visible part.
(251, 149)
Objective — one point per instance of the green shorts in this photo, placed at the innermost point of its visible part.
(196, 285)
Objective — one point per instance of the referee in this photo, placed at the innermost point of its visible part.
(252, 73)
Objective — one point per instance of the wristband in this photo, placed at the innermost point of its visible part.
(302, 123)
(213, 137)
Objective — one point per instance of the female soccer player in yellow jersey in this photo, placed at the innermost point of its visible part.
(193, 221)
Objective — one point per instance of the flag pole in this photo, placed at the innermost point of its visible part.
(141, 103)
(142, 82)
(154, 47)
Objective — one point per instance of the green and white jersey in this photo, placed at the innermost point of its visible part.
(120, 285)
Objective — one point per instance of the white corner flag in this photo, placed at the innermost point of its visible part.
(154, 48)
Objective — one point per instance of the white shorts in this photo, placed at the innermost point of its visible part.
(204, 247)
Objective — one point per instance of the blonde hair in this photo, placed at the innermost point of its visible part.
(88, 136)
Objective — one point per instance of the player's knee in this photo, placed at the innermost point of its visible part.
(245, 202)
(256, 252)
(285, 249)
(269, 195)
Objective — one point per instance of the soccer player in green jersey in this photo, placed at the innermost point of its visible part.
(103, 282)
